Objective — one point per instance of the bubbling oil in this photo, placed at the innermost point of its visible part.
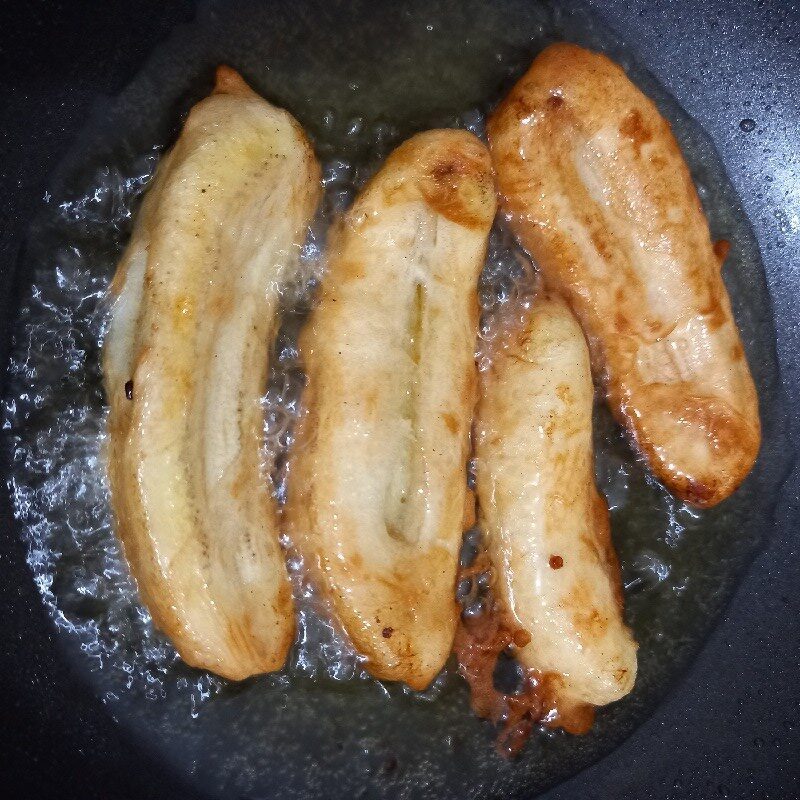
(57, 418)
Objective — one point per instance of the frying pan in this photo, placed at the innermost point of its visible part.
(730, 726)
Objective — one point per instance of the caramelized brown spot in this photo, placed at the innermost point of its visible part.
(445, 169)
(729, 439)
(229, 81)
(517, 104)
(622, 323)
(478, 643)
(601, 526)
(601, 243)
(577, 719)
(521, 638)
(658, 161)
(356, 561)
(715, 313)
(183, 311)
(458, 184)
(564, 393)
(591, 622)
(580, 596)
(451, 422)
(387, 633)
(721, 249)
(635, 129)
(555, 100)
(556, 562)
(349, 269)
(241, 483)
(655, 327)
(699, 494)
(240, 633)
(221, 304)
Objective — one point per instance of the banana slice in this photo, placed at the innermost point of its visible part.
(546, 525)
(597, 191)
(377, 475)
(185, 365)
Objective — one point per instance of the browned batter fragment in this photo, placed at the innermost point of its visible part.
(480, 640)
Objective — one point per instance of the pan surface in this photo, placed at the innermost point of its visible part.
(308, 733)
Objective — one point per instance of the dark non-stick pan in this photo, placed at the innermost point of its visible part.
(96, 705)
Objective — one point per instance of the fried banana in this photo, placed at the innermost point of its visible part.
(377, 473)
(546, 525)
(185, 366)
(595, 187)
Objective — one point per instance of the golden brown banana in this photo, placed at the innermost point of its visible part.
(377, 474)
(546, 525)
(596, 189)
(185, 362)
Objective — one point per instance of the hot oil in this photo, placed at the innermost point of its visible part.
(322, 727)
